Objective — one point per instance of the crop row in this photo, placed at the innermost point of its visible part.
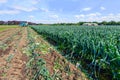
(96, 49)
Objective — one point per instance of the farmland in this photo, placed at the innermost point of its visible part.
(25, 55)
(95, 49)
(47, 52)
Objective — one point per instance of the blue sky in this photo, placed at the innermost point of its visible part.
(57, 11)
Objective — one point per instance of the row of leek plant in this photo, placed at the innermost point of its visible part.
(97, 49)
(36, 66)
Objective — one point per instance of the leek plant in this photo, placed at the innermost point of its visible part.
(97, 49)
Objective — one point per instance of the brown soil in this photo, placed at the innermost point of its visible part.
(71, 74)
(5, 31)
(12, 61)
(7, 39)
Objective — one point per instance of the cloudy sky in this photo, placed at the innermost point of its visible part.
(54, 11)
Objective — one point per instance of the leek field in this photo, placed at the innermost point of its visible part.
(95, 50)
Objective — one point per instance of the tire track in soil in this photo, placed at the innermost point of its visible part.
(15, 70)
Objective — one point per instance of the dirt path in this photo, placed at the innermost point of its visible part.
(12, 64)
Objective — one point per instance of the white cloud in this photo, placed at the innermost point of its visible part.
(27, 9)
(98, 17)
(82, 17)
(31, 16)
(79, 16)
(9, 12)
(60, 20)
(86, 9)
(54, 16)
(3, 1)
(93, 14)
(44, 9)
(109, 17)
(88, 15)
(102, 8)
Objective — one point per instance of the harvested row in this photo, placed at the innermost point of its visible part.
(7, 33)
(13, 64)
(6, 41)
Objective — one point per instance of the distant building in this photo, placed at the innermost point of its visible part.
(90, 24)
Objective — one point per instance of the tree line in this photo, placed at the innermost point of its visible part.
(15, 22)
(79, 23)
(99, 23)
